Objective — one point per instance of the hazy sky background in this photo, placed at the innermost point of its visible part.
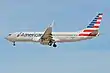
(90, 56)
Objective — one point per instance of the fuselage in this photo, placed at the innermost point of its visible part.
(48, 37)
(57, 36)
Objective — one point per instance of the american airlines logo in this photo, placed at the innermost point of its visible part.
(28, 35)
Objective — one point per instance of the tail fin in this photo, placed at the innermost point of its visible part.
(96, 21)
(93, 26)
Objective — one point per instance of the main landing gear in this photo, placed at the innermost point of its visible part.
(52, 43)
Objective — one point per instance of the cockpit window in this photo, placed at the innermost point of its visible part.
(9, 35)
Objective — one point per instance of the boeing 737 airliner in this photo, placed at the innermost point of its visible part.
(51, 38)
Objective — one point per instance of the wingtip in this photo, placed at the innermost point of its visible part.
(52, 24)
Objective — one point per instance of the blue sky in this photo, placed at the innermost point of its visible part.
(90, 56)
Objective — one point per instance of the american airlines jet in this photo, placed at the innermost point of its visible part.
(51, 38)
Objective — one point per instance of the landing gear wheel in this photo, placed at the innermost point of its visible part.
(54, 45)
(50, 44)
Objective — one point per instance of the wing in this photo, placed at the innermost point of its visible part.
(47, 35)
(47, 32)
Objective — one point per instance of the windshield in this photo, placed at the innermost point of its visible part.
(9, 35)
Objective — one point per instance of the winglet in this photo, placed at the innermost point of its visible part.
(52, 24)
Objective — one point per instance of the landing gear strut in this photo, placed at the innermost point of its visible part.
(50, 43)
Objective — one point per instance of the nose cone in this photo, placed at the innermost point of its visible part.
(11, 37)
(7, 38)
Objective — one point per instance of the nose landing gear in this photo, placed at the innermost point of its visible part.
(14, 44)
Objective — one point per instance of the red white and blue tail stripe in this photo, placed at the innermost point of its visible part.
(93, 26)
(96, 21)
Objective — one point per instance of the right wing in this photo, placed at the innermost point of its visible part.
(47, 35)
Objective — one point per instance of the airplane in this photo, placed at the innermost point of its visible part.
(51, 38)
